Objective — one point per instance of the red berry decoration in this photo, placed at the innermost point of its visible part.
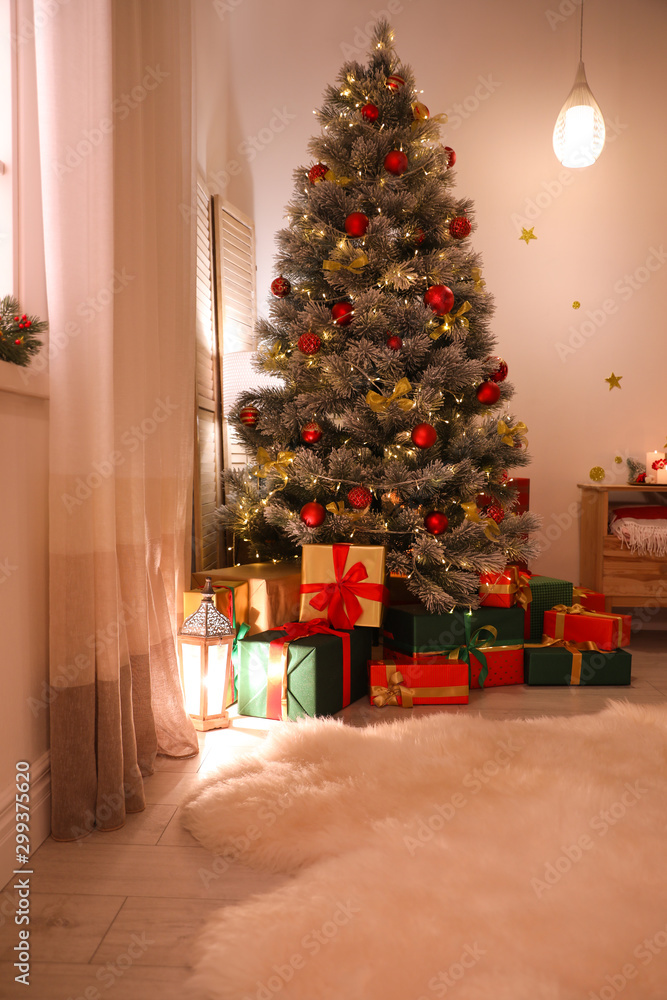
(370, 112)
(424, 435)
(452, 156)
(459, 227)
(440, 298)
(495, 512)
(436, 522)
(342, 313)
(280, 287)
(395, 82)
(359, 497)
(396, 162)
(394, 342)
(356, 224)
(313, 514)
(311, 433)
(419, 235)
(499, 372)
(309, 343)
(488, 393)
(317, 172)
(249, 416)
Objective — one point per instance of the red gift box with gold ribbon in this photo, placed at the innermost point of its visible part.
(505, 589)
(591, 600)
(576, 624)
(441, 682)
(504, 663)
(345, 583)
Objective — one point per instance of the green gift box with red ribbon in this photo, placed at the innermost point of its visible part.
(302, 669)
(345, 583)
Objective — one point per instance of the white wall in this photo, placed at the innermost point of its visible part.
(594, 226)
(23, 500)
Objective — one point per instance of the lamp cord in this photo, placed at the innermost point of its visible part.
(581, 31)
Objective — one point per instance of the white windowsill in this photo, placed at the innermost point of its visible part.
(23, 381)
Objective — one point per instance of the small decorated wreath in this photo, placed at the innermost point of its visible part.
(18, 333)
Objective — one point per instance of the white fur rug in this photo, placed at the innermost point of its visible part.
(445, 856)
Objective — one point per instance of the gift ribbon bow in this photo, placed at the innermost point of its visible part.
(450, 319)
(512, 435)
(578, 609)
(276, 682)
(394, 690)
(339, 508)
(474, 644)
(491, 529)
(330, 176)
(279, 465)
(476, 274)
(380, 404)
(337, 265)
(342, 595)
(577, 649)
(519, 585)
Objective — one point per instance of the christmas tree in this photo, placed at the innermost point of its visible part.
(18, 333)
(390, 422)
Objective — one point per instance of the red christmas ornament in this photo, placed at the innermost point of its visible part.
(495, 512)
(19, 341)
(311, 433)
(424, 435)
(359, 497)
(342, 313)
(396, 162)
(419, 235)
(356, 224)
(451, 156)
(440, 298)
(280, 287)
(484, 500)
(317, 172)
(370, 112)
(249, 415)
(436, 522)
(395, 82)
(459, 227)
(309, 343)
(488, 393)
(313, 514)
(499, 369)
(394, 342)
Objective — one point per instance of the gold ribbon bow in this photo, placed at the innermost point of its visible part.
(450, 319)
(380, 404)
(338, 507)
(337, 265)
(575, 648)
(389, 695)
(512, 435)
(279, 465)
(476, 274)
(330, 176)
(491, 529)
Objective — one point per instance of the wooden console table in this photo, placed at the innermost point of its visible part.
(627, 580)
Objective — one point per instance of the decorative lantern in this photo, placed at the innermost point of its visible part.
(205, 643)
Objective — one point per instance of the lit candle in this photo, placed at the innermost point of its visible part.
(651, 473)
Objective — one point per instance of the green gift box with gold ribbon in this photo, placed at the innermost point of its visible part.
(559, 662)
(410, 628)
(547, 592)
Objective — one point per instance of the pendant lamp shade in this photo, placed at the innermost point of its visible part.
(579, 133)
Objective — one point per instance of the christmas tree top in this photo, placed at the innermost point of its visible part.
(388, 423)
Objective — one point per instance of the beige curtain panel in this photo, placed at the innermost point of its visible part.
(115, 117)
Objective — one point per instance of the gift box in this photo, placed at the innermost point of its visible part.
(413, 629)
(273, 591)
(489, 666)
(547, 592)
(231, 600)
(397, 586)
(343, 582)
(505, 589)
(591, 600)
(608, 631)
(522, 486)
(302, 668)
(573, 664)
(441, 682)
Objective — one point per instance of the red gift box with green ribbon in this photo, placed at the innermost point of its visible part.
(576, 624)
(302, 668)
(345, 583)
(441, 682)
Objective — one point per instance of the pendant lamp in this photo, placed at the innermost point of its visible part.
(579, 133)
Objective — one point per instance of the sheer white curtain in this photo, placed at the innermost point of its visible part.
(115, 118)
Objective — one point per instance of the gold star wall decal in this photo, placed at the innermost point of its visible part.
(528, 234)
(614, 381)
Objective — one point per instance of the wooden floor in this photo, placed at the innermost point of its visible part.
(114, 917)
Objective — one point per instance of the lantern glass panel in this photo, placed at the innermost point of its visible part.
(191, 660)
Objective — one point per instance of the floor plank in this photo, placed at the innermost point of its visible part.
(64, 927)
(64, 981)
